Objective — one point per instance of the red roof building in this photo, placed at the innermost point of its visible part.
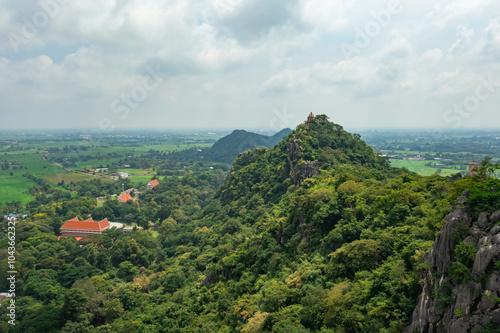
(80, 229)
(152, 184)
(125, 197)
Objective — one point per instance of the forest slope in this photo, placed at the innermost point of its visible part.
(317, 234)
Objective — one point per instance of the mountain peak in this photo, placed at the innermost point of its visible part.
(229, 147)
(314, 145)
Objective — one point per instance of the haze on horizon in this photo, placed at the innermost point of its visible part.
(249, 64)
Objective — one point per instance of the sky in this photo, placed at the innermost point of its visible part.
(109, 65)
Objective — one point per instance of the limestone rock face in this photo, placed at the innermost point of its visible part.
(462, 200)
(483, 258)
(469, 306)
(441, 251)
(300, 169)
(495, 230)
(495, 217)
(482, 222)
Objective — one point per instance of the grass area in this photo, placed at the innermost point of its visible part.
(28, 157)
(12, 183)
(14, 188)
(138, 175)
(123, 152)
(422, 169)
(69, 177)
(27, 162)
(140, 179)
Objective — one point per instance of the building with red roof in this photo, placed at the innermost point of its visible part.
(122, 198)
(80, 229)
(152, 184)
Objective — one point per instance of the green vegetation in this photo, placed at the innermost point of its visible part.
(228, 148)
(74, 152)
(317, 234)
(423, 169)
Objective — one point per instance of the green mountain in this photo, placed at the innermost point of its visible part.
(318, 145)
(317, 234)
(229, 147)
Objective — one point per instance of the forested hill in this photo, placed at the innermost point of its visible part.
(317, 234)
(239, 141)
(315, 146)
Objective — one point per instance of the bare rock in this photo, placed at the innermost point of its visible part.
(485, 240)
(470, 240)
(495, 239)
(495, 315)
(478, 321)
(464, 296)
(477, 304)
(300, 169)
(461, 200)
(421, 316)
(477, 233)
(493, 284)
(460, 325)
(441, 251)
(495, 217)
(483, 258)
(492, 288)
(482, 221)
(495, 230)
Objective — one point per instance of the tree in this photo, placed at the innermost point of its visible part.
(74, 305)
(127, 271)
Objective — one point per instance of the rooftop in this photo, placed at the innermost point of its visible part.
(154, 182)
(90, 224)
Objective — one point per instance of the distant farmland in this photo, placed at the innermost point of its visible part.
(422, 169)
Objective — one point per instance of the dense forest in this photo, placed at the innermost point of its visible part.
(317, 234)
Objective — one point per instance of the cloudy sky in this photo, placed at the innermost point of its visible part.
(115, 64)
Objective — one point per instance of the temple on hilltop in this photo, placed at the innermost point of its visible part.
(310, 117)
(472, 168)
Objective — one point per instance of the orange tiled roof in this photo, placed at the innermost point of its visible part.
(89, 224)
(154, 183)
(126, 197)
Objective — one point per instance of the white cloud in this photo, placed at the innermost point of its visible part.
(232, 59)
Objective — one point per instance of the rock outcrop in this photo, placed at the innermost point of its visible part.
(300, 169)
(444, 306)
(442, 251)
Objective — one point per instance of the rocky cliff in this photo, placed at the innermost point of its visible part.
(300, 169)
(460, 296)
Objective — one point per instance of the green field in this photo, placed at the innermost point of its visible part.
(124, 152)
(69, 177)
(420, 167)
(13, 188)
(29, 158)
(138, 175)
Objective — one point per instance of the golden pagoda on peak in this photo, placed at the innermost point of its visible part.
(310, 117)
